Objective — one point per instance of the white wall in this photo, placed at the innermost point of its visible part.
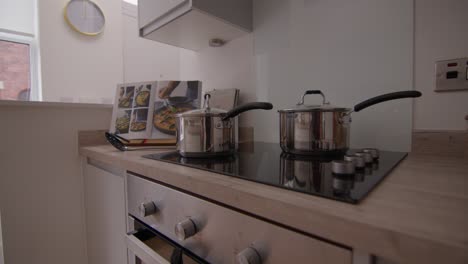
(41, 186)
(145, 60)
(441, 28)
(231, 66)
(17, 15)
(76, 67)
(299, 44)
(351, 50)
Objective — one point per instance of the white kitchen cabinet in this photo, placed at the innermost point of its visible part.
(104, 197)
(191, 24)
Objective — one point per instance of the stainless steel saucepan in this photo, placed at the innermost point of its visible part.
(210, 132)
(323, 129)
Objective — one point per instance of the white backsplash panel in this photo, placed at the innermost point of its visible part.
(351, 50)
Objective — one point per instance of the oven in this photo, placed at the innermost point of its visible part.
(169, 225)
(146, 245)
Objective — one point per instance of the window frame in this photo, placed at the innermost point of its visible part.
(34, 70)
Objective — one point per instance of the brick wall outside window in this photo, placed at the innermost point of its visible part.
(14, 69)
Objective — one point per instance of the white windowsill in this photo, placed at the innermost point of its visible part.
(52, 104)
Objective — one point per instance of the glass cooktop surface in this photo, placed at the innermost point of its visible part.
(266, 163)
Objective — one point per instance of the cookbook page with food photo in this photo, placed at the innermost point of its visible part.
(132, 113)
(173, 97)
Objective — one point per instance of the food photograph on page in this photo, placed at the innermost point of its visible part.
(173, 97)
(143, 95)
(132, 108)
(125, 96)
(139, 118)
(122, 123)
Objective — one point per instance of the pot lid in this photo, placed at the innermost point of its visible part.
(325, 106)
(205, 111)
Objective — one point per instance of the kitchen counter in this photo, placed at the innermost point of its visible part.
(418, 214)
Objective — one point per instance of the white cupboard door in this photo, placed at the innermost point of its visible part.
(105, 215)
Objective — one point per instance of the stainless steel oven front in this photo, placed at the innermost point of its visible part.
(171, 226)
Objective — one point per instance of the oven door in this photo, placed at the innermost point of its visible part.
(147, 246)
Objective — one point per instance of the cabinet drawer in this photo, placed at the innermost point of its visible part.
(223, 232)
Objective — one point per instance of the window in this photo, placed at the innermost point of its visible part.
(15, 73)
(18, 68)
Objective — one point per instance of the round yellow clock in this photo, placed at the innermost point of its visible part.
(85, 17)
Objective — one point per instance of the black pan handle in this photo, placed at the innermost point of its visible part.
(386, 97)
(246, 107)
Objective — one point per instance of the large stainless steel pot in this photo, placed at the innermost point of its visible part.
(323, 129)
(209, 132)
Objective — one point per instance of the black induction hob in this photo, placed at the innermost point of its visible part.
(266, 163)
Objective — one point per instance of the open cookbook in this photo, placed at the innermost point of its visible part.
(147, 110)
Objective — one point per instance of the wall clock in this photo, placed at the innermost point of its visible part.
(85, 17)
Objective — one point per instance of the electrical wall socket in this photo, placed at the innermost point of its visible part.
(452, 75)
(2, 86)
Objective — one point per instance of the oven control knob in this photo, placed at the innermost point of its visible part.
(373, 151)
(366, 156)
(359, 162)
(342, 167)
(249, 256)
(146, 209)
(185, 229)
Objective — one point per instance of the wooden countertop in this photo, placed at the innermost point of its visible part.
(418, 214)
